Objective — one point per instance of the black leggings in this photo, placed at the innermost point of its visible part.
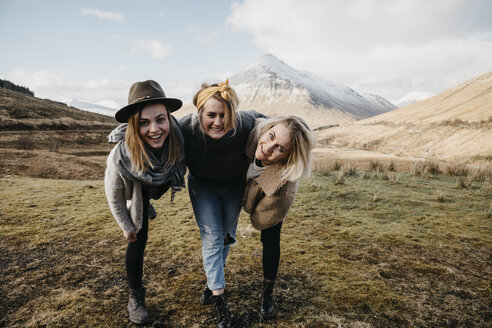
(135, 250)
(270, 238)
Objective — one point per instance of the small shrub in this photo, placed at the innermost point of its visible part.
(488, 212)
(486, 187)
(348, 170)
(371, 145)
(364, 175)
(480, 174)
(340, 178)
(336, 166)
(326, 141)
(25, 143)
(417, 168)
(462, 183)
(432, 167)
(394, 178)
(385, 175)
(426, 168)
(456, 170)
(440, 196)
(321, 167)
(391, 167)
(375, 166)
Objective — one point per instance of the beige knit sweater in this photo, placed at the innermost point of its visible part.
(267, 198)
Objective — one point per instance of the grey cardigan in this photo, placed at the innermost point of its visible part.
(124, 197)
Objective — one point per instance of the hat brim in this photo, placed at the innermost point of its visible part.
(123, 115)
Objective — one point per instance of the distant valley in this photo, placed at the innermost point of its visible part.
(454, 126)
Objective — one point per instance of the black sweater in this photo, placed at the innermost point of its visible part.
(217, 162)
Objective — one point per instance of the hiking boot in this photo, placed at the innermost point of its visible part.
(223, 315)
(207, 296)
(267, 307)
(136, 306)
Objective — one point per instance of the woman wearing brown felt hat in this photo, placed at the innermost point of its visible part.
(147, 162)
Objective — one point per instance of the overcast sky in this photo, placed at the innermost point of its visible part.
(94, 50)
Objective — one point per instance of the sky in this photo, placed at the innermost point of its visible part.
(94, 50)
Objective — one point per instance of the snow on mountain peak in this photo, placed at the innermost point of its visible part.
(269, 80)
(413, 97)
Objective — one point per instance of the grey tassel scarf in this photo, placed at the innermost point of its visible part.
(157, 179)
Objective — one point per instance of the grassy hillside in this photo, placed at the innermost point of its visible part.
(454, 126)
(19, 111)
(470, 101)
(364, 252)
(72, 154)
(43, 138)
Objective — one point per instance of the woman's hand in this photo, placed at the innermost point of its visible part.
(130, 236)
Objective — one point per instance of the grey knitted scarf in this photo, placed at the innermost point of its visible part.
(156, 179)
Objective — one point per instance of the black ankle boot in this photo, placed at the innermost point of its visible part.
(206, 297)
(136, 306)
(223, 315)
(267, 308)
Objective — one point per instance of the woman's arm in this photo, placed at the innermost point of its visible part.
(115, 193)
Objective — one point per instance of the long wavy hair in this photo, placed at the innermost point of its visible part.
(298, 163)
(140, 159)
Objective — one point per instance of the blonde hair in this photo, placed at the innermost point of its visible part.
(298, 163)
(139, 157)
(230, 119)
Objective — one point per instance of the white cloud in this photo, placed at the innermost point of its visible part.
(52, 86)
(389, 47)
(120, 68)
(155, 48)
(109, 15)
(38, 80)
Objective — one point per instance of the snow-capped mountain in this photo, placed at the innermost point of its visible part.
(272, 87)
(91, 107)
(379, 101)
(413, 97)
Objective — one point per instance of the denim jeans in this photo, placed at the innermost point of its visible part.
(216, 211)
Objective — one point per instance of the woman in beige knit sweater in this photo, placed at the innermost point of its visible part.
(280, 152)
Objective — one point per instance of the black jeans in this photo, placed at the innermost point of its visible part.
(270, 238)
(135, 250)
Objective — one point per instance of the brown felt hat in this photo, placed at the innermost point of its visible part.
(145, 92)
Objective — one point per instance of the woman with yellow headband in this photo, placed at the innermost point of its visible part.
(215, 139)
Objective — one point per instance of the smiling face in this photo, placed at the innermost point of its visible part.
(212, 118)
(274, 145)
(154, 125)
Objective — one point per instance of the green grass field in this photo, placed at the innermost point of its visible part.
(366, 252)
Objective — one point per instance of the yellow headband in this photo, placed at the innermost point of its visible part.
(225, 92)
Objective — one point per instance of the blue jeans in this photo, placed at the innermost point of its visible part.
(216, 212)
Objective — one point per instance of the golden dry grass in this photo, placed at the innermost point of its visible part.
(454, 126)
(366, 253)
